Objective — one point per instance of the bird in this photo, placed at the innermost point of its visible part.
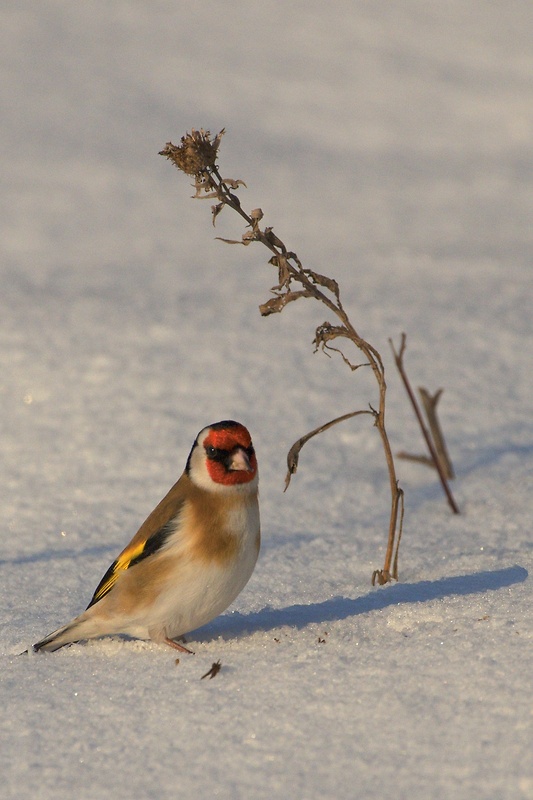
(191, 557)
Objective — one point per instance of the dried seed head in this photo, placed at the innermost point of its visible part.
(196, 153)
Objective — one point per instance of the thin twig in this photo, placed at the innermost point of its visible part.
(294, 453)
(430, 403)
(425, 460)
(398, 358)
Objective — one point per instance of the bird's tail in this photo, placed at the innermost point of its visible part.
(82, 627)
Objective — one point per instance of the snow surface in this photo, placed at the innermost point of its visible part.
(389, 144)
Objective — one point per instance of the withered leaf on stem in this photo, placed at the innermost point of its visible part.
(247, 237)
(233, 184)
(207, 195)
(353, 367)
(272, 239)
(284, 273)
(215, 210)
(204, 187)
(326, 332)
(229, 241)
(323, 280)
(278, 303)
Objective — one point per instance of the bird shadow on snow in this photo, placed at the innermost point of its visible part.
(56, 555)
(231, 625)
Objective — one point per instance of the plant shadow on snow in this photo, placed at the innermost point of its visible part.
(487, 456)
(339, 608)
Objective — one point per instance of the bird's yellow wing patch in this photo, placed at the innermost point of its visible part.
(110, 578)
(135, 552)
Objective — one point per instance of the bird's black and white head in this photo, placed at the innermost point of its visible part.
(223, 459)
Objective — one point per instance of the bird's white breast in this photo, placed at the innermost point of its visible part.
(203, 588)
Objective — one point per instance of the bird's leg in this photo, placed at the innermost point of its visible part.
(177, 646)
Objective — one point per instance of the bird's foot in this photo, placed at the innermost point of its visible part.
(177, 646)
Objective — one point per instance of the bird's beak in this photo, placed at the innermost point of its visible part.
(240, 461)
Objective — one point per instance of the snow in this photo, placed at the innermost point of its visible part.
(390, 146)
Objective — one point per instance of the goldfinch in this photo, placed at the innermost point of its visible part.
(191, 557)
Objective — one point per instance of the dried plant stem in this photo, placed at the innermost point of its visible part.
(294, 453)
(374, 360)
(197, 156)
(398, 358)
(390, 567)
(430, 402)
(425, 460)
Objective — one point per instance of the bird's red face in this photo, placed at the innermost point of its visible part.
(230, 455)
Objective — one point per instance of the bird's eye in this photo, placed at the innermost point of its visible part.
(211, 451)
